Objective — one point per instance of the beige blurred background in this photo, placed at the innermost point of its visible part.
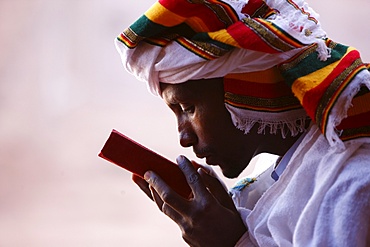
(62, 90)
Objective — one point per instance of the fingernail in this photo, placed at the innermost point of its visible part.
(180, 159)
(203, 170)
(147, 176)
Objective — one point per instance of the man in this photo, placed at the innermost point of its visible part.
(263, 67)
(205, 124)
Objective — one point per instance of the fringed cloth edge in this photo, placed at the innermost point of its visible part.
(334, 93)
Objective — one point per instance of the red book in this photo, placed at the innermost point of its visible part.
(134, 157)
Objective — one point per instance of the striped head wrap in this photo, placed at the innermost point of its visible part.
(277, 63)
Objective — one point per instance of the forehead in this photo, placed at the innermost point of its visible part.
(192, 89)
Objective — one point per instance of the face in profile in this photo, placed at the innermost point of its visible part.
(205, 125)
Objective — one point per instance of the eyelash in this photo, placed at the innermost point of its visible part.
(188, 109)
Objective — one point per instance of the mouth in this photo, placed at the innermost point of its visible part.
(201, 156)
(206, 154)
(208, 158)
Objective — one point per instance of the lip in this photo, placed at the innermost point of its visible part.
(201, 156)
(209, 159)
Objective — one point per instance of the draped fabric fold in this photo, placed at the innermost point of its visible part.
(277, 63)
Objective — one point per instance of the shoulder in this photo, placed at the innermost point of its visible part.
(352, 183)
(345, 207)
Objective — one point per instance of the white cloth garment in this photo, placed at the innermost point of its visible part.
(175, 64)
(154, 64)
(321, 199)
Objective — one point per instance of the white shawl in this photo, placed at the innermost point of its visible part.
(321, 199)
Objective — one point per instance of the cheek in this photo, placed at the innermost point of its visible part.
(215, 129)
(222, 124)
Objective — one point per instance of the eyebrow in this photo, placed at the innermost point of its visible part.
(176, 98)
(169, 100)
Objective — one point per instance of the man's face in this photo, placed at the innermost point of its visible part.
(205, 124)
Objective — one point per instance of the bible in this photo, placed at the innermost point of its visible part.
(136, 158)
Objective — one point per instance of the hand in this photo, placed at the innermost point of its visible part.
(143, 185)
(209, 218)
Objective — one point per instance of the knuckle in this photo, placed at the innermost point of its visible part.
(187, 231)
(154, 180)
(189, 236)
(165, 209)
(187, 239)
(183, 166)
(203, 207)
(197, 213)
(167, 197)
(193, 178)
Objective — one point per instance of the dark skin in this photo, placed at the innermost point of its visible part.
(209, 218)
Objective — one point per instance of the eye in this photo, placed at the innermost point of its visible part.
(187, 108)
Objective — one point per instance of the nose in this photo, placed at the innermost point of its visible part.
(187, 135)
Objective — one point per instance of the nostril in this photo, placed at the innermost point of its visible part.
(187, 139)
(184, 140)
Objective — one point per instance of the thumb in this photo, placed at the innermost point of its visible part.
(217, 189)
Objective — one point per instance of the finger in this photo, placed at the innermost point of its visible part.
(196, 165)
(209, 170)
(143, 185)
(164, 206)
(217, 189)
(157, 199)
(192, 177)
(166, 193)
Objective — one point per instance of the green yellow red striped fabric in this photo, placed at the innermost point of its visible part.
(260, 91)
(319, 86)
(197, 23)
(312, 80)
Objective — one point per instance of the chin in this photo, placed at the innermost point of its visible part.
(229, 169)
(231, 173)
